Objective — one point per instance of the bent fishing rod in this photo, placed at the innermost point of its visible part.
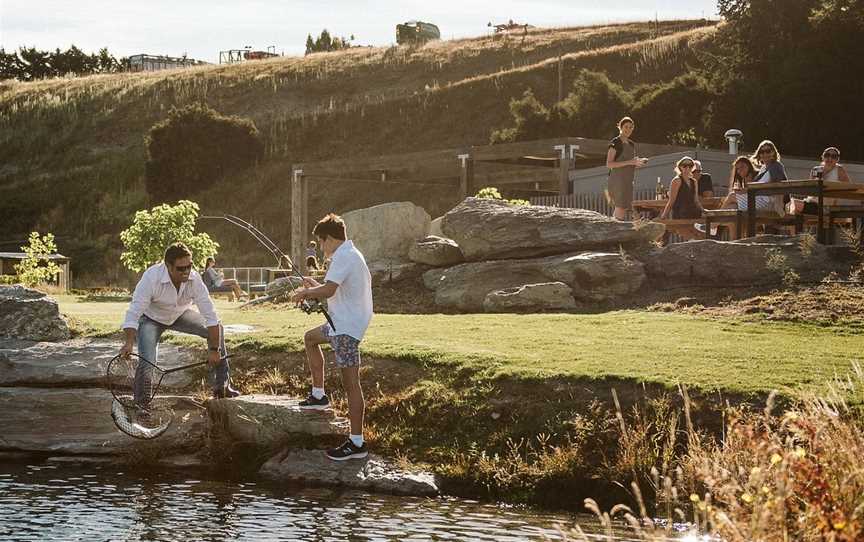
(306, 305)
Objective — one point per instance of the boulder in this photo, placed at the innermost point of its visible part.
(435, 227)
(592, 276)
(436, 251)
(371, 473)
(265, 420)
(78, 421)
(384, 271)
(29, 314)
(531, 298)
(387, 231)
(78, 363)
(487, 229)
(744, 262)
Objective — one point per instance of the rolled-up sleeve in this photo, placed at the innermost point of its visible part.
(140, 301)
(204, 303)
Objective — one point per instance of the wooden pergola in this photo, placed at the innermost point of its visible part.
(540, 166)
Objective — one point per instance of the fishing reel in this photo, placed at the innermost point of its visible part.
(309, 306)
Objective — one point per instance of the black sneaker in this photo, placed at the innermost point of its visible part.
(348, 451)
(310, 403)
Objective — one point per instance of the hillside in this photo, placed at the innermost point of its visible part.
(72, 150)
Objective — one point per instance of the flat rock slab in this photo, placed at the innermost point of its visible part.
(265, 420)
(77, 363)
(371, 473)
(78, 421)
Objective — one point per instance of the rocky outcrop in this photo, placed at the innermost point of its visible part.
(282, 285)
(592, 276)
(372, 473)
(757, 260)
(78, 421)
(384, 272)
(385, 232)
(436, 251)
(265, 420)
(435, 227)
(78, 363)
(487, 229)
(29, 314)
(531, 298)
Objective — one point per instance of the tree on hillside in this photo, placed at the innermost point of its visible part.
(325, 43)
(789, 71)
(29, 63)
(151, 231)
(194, 148)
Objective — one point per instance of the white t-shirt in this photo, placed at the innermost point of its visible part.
(351, 305)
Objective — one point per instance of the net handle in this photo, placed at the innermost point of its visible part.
(191, 365)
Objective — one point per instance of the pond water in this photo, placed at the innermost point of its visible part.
(47, 501)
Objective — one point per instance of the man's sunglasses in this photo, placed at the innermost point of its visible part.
(183, 268)
(831, 155)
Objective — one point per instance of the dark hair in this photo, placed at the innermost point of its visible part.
(175, 251)
(624, 121)
(209, 261)
(737, 180)
(330, 226)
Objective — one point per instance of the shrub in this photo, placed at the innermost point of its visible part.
(195, 147)
(151, 231)
(36, 268)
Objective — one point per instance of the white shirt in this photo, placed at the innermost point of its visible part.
(351, 306)
(156, 297)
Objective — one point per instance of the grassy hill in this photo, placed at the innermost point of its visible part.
(72, 150)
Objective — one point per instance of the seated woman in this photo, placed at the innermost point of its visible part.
(828, 170)
(743, 172)
(215, 281)
(684, 197)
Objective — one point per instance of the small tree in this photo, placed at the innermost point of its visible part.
(36, 268)
(151, 231)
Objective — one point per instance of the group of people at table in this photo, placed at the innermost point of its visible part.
(691, 185)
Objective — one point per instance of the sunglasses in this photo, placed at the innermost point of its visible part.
(183, 268)
(831, 155)
(766, 150)
(687, 165)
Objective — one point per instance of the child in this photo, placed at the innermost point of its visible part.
(311, 256)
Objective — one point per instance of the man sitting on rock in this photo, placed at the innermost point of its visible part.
(162, 300)
(348, 288)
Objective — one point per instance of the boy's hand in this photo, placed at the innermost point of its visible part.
(298, 296)
(309, 282)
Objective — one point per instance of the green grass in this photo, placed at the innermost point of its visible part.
(709, 354)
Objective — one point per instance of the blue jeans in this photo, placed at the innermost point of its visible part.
(149, 333)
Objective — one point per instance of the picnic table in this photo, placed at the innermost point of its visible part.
(812, 187)
(654, 207)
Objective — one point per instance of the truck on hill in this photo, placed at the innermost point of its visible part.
(416, 32)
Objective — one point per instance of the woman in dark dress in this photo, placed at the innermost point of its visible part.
(622, 161)
(684, 197)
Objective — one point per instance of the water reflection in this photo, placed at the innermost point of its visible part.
(48, 502)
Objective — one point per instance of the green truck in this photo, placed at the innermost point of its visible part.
(416, 32)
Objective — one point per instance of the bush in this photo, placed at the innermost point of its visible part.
(194, 148)
(36, 268)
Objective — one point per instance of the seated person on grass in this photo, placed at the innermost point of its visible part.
(215, 281)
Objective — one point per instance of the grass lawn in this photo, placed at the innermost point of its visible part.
(722, 353)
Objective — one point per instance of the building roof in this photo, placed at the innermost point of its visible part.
(22, 255)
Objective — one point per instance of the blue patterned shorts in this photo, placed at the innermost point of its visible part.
(346, 347)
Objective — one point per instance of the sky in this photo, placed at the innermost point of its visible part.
(202, 28)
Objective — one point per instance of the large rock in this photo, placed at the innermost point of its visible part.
(78, 421)
(435, 227)
(531, 298)
(77, 363)
(386, 232)
(30, 314)
(283, 285)
(266, 420)
(745, 262)
(383, 272)
(593, 276)
(436, 251)
(488, 229)
(371, 473)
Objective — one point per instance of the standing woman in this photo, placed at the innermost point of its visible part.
(622, 162)
(684, 196)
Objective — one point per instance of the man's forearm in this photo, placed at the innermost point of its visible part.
(213, 337)
(322, 291)
(131, 335)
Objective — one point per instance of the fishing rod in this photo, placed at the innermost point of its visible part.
(307, 306)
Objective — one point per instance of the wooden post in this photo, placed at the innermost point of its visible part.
(565, 187)
(560, 77)
(299, 199)
(466, 184)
